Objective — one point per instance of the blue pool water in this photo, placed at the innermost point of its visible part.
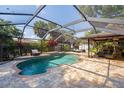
(41, 64)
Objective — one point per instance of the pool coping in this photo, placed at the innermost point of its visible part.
(49, 70)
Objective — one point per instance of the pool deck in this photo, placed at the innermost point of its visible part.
(88, 72)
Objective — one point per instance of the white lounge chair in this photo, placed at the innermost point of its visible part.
(35, 52)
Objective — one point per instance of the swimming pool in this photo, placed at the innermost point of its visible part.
(42, 64)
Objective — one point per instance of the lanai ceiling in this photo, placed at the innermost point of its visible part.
(78, 22)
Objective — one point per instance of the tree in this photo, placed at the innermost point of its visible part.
(8, 32)
(104, 11)
(51, 25)
(7, 44)
(110, 11)
(88, 10)
(40, 25)
(38, 29)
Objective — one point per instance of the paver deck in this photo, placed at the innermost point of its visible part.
(88, 72)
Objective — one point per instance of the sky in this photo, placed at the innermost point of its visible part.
(60, 14)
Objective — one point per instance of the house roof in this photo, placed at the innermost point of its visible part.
(103, 36)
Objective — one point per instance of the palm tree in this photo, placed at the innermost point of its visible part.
(40, 27)
(9, 30)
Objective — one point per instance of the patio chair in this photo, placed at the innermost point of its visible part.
(35, 52)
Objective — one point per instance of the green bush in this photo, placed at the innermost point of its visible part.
(66, 47)
(44, 46)
(40, 45)
(35, 45)
(102, 45)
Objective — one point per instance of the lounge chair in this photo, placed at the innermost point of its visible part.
(35, 52)
(77, 50)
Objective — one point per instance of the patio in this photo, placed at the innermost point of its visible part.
(89, 72)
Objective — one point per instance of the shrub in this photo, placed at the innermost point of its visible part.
(66, 47)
